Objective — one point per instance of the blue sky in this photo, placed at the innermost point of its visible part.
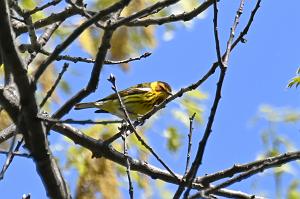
(257, 74)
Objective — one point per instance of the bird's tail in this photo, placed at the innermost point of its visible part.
(84, 105)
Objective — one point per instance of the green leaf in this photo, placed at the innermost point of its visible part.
(294, 81)
(286, 168)
(293, 190)
(162, 189)
(197, 94)
(65, 86)
(193, 107)
(173, 138)
(181, 116)
(28, 4)
(292, 117)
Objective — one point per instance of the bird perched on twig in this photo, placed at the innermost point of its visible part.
(138, 100)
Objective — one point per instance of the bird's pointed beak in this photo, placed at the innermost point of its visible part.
(169, 93)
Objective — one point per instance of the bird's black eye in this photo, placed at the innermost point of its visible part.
(159, 88)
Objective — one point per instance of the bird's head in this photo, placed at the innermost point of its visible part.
(161, 87)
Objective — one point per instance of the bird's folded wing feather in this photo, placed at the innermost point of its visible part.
(126, 92)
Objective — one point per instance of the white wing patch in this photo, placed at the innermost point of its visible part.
(144, 89)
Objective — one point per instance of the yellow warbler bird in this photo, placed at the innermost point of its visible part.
(138, 100)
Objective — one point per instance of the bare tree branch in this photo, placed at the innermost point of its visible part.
(53, 18)
(202, 144)
(145, 12)
(18, 96)
(25, 155)
(257, 167)
(186, 16)
(216, 34)
(33, 130)
(42, 40)
(100, 149)
(89, 60)
(188, 156)
(10, 155)
(40, 8)
(8, 132)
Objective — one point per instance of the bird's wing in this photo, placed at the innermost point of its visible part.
(129, 91)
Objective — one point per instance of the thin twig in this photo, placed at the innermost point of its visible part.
(42, 40)
(232, 32)
(26, 196)
(89, 60)
(202, 144)
(112, 79)
(49, 93)
(239, 178)
(143, 142)
(40, 8)
(31, 33)
(185, 16)
(253, 168)
(84, 12)
(188, 156)
(228, 194)
(25, 155)
(145, 12)
(146, 54)
(130, 188)
(247, 27)
(216, 34)
(52, 18)
(10, 156)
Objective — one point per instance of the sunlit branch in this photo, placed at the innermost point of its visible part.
(145, 12)
(188, 156)
(40, 8)
(89, 60)
(7, 133)
(100, 149)
(259, 167)
(202, 144)
(185, 16)
(216, 34)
